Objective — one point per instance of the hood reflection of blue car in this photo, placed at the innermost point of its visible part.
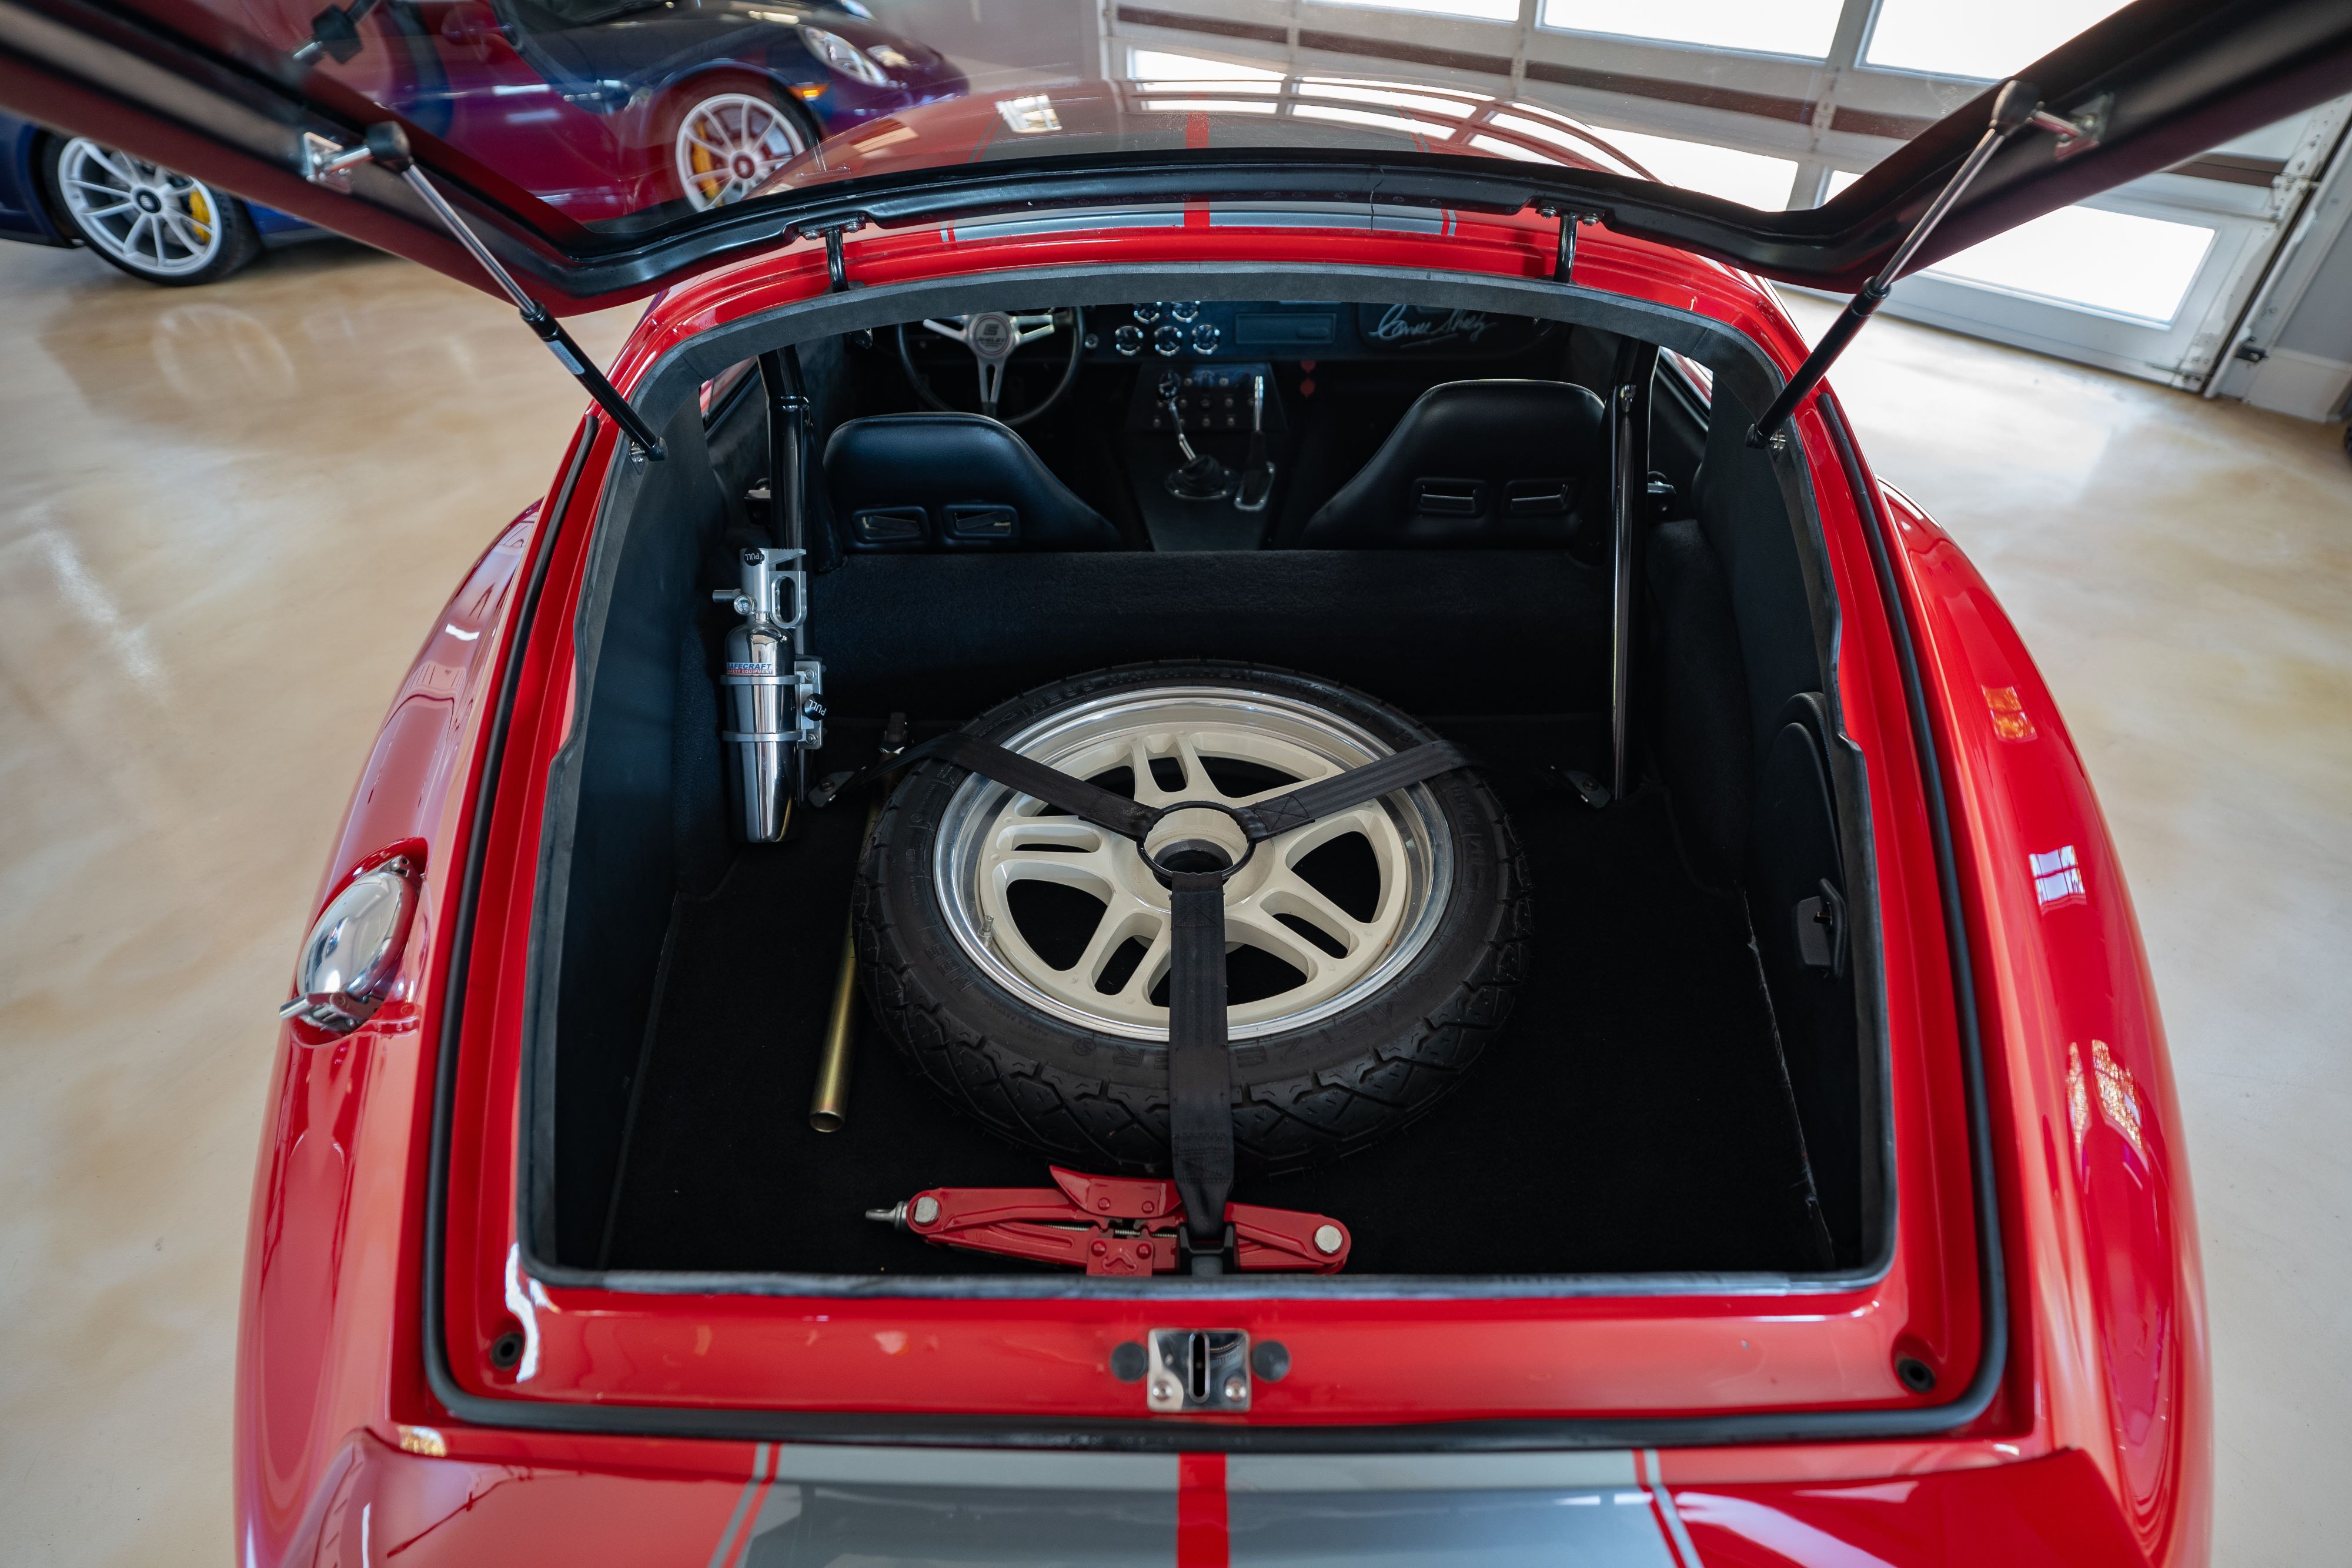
(602, 108)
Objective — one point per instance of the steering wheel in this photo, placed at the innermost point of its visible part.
(992, 336)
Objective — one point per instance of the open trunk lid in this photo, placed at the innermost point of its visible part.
(258, 101)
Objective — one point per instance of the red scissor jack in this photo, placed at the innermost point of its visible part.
(1110, 1225)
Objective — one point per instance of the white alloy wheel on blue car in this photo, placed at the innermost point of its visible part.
(151, 221)
(727, 145)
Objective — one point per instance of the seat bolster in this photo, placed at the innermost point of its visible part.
(951, 482)
(1513, 465)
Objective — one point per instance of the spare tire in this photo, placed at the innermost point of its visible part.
(1017, 955)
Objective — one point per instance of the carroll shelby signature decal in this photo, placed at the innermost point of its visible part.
(1421, 326)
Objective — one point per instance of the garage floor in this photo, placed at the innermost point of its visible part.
(228, 516)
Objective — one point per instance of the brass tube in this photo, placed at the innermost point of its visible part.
(829, 1102)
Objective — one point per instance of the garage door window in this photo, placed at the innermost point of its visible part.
(1986, 40)
(1799, 27)
(1751, 179)
(2119, 264)
(1474, 10)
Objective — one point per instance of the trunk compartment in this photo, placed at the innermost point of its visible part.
(1636, 1115)
(1676, 1095)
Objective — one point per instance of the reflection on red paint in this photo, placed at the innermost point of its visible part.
(2010, 719)
(2043, 1513)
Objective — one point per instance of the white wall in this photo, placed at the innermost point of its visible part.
(2309, 371)
(1002, 42)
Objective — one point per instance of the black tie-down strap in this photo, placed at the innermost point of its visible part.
(1200, 1069)
(1051, 785)
(1260, 821)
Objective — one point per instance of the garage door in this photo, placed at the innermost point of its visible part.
(1778, 103)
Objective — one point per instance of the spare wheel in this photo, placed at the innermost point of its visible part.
(1019, 956)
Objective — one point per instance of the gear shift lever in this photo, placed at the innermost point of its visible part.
(1202, 477)
(1257, 469)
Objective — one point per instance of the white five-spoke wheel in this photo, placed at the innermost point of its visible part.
(149, 221)
(1019, 956)
(1179, 745)
(728, 144)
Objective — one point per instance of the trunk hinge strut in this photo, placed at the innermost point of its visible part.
(2016, 106)
(325, 164)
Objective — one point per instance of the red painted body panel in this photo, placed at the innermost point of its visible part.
(2106, 1360)
(2048, 1513)
(2102, 1227)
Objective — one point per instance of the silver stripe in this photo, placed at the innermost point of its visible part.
(1333, 215)
(1577, 1469)
(1009, 228)
(726, 1547)
(1225, 214)
(1655, 1477)
(1050, 1470)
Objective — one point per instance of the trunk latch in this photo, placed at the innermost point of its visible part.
(1198, 1370)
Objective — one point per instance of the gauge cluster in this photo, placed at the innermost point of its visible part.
(1193, 329)
(1167, 330)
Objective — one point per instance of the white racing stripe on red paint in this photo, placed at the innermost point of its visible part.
(1063, 222)
(1605, 1508)
(1669, 1517)
(1568, 1470)
(1591, 1508)
(724, 1553)
(1383, 219)
(1059, 1470)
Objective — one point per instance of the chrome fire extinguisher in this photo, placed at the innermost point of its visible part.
(774, 697)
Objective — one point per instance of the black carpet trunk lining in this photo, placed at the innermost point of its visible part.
(1635, 1117)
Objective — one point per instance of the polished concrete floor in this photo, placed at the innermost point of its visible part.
(226, 516)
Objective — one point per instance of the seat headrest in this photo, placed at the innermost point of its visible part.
(951, 482)
(1508, 464)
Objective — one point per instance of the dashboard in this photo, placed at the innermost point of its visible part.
(1192, 330)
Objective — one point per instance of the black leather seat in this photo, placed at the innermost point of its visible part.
(951, 482)
(1506, 463)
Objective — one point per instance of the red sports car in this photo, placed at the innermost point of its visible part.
(1222, 824)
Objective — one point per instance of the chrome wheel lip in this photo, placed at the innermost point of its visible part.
(979, 805)
(139, 212)
(745, 160)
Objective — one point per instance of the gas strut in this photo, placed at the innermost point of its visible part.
(387, 144)
(2016, 106)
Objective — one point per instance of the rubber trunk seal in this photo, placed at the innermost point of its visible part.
(1145, 1435)
(461, 927)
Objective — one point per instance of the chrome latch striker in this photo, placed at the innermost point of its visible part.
(1197, 1370)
